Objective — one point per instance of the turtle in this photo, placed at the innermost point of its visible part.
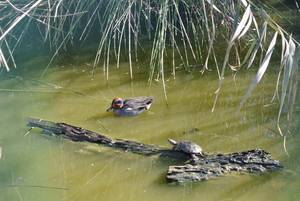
(187, 147)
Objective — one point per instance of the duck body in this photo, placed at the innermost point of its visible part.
(130, 106)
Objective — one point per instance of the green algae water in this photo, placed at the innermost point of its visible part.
(35, 166)
(42, 167)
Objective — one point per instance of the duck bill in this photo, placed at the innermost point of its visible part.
(109, 109)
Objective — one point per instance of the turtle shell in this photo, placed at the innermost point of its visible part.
(188, 147)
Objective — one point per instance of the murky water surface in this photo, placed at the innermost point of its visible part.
(40, 167)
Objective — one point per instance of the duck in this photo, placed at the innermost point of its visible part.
(130, 106)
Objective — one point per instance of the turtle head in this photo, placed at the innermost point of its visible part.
(172, 141)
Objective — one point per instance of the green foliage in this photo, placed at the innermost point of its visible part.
(185, 29)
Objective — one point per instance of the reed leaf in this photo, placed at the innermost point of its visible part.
(262, 69)
(158, 49)
(2, 57)
(211, 37)
(38, 82)
(3, 61)
(18, 19)
(293, 88)
(33, 91)
(190, 27)
(291, 62)
(236, 34)
(259, 43)
(14, 23)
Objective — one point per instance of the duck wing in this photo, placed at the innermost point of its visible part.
(138, 103)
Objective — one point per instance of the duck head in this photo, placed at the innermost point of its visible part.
(117, 103)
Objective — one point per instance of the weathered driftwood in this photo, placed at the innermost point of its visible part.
(82, 135)
(210, 166)
(216, 164)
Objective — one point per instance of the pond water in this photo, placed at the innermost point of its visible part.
(35, 167)
(40, 167)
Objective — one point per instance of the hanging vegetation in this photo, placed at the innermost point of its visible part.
(185, 29)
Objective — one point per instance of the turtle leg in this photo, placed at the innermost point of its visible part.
(201, 154)
(195, 158)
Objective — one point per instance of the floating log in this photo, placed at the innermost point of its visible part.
(80, 134)
(210, 166)
(217, 164)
